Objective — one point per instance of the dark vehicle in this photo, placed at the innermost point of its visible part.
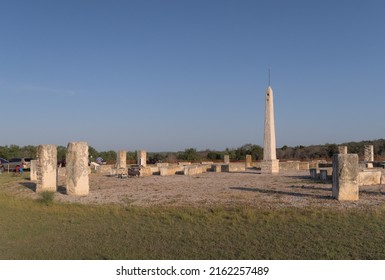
(25, 163)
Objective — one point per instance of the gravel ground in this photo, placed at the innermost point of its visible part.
(249, 188)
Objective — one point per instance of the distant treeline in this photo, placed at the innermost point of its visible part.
(325, 151)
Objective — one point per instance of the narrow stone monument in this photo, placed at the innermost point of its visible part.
(226, 159)
(46, 168)
(343, 150)
(142, 158)
(270, 164)
(33, 170)
(368, 153)
(77, 179)
(345, 177)
(249, 161)
(121, 159)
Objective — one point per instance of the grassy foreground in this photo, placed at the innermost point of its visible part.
(42, 230)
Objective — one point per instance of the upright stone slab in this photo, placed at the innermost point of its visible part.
(33, 170)
(249, 161)
(121, 159)
(46, 168)
(345, 177)
(368, 153)
(77, 180)
(226, 159)
(270, 163)
(343, 150)
(142, 158)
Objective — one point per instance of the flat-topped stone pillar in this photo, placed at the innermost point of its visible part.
(121, 159)
(345, 177)
(368, 153)
(142, 158)
(226, 159)
(343, 150)
(46, 168)
(77, 179)
(249, 161)
(33, 170)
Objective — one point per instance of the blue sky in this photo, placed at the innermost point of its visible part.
(169, 75)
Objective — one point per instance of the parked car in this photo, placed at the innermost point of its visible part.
(2, 163)
(25, 163)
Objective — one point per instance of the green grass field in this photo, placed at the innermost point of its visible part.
(42, 229)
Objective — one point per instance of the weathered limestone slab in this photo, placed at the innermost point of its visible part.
(33, 170)
(345, 177)
(121, 159)
(343, 150)
(270, 166)
(236, 167)
(226, 159)
(183, 163)
(207, 162)
(249, 161)
(289, 165)
(145, 171)
(382, 177)
(161, 164)
(77, 179)
(368, 153)
(192, 170)
(104, 169)
(304, 166)
(142, 158)
(170, 170)
(369, 177)
(46, 168)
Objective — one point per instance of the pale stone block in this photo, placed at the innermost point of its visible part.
(46, 168)
(192, 170)
(121, 159)
(236, 167)
(77, 179)
(33, 170)
(249, 161)
(345, 177)
(170, 170)
(142, 158)
(368, 153)
(382, 182)
(369, 165)
(104, 169)
(183, 163)
(304, 166)
(270, 166)
(343, 150)
(369, 178)
(289, 165)
(146, 171)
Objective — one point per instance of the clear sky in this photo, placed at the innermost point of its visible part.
(169, 75)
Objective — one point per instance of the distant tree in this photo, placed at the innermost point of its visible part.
(190, 154)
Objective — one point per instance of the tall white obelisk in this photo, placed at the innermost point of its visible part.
(270, 164)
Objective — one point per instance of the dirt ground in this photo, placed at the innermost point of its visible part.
(249, 188)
